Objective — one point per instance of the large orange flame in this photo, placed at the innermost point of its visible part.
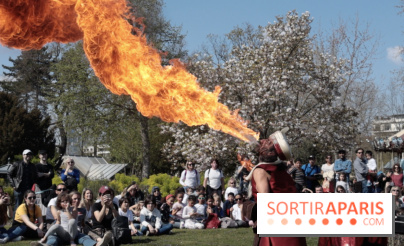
(124, 62)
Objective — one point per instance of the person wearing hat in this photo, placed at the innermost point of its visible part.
(311, 170)
(104, 212)
(270, 176)
(45, 171)
(22, 176)
(343, 165)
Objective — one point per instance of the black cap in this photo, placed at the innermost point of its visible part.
(341, 151)
(311, 157)
(43, 152)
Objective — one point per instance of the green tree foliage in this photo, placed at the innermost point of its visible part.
(30, 77)
(21, 129)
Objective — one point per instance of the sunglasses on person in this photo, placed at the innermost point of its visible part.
(31, 197)
(62, 189)
(238, 199)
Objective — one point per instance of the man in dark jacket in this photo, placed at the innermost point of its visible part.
(22, 175)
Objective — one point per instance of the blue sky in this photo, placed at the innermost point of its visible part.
(200, 18)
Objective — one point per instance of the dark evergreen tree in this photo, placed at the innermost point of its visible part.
(20, 129)
(30, 78)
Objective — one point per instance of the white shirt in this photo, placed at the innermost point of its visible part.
(128, 214)
(52, 202)
(371, 164)
(230, 189)
(200, 209)
(190, 178)
(147, 213)
(214, 178)
(236, 212)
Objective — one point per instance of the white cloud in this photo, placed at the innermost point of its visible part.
(395, 54)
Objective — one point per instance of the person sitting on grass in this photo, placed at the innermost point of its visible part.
(236, 211)
(6, 212)
(126, 212)
(28, 218)
(150, 218)
(201, 208)
(166, 210)
(220, 211)
(65, 226)
(228, 204)
(177, 211)
(190, 214)
(210, 207)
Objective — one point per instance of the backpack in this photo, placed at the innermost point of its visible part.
(121, 231)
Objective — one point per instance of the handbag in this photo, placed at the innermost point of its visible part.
(212, 221)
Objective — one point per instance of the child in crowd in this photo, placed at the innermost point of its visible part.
(341, 181)
(219, 208)
(228, 204)
(136, 214)
(150, 218)
(200, 190)
(217, 197)
(201, 208)
(157, 196)
(177, 210)
(126, 212)
(189, 214)
(231, 187)
(210, 207)
(190, 191)
(166, 210)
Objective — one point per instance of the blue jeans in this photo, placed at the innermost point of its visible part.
(364, 186)
(18, 199)
(80, 239)
(12, 232)
(164, 229)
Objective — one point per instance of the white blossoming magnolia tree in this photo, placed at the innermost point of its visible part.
(280, 82)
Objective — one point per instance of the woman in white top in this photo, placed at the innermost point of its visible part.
(231, 187)
(327, 170)
(87, 201)
(190, 176)
(236, 214)
(214, 179)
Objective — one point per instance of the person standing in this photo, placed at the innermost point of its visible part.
(190, 176)
(327, 170)
(22, 175)
(361, 172)
(45, 175)
(310, 171)
(70, 175)
(214, 179)
(343, 165)
(270, 176)
(45, 171)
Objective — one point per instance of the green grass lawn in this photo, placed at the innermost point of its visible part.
(240, 236)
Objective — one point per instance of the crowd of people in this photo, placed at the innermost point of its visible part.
(64, 216)
(59, 215)
(338, 176)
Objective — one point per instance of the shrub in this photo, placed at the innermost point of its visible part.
(167, 184)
